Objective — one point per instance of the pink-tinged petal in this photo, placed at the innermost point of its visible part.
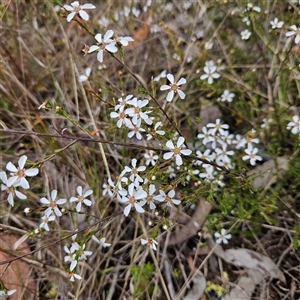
(53, 194)
(87, 193)
(24, 183)
(170, 144)
(111, 48)
(87, 202)
(22, 161)
(88, 6)
(44, 200)
(73, 199)
(108, 34)
(10, 167)
(127, 210)
(61, 201)
(170, 96)
(165, 87)
(180, 141)
(84, 15)
(57, 212)
(181, 94)
(78, 207)
(79, 190)
(20, 195)
(176, 202)
(71, 16)
(32, 172)
(139, 208)
(100, 56)
(170, 78)
(181, 81)
(168, 155)
(186, 152)
(178, 160)
(68, 7)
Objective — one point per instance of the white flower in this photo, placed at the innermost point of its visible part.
(151, 242)
(266, 123)
(81, 198)
(132, 198)
(245, 34)
(150, 158)
(85, 76)
(134, 177)
(136, 130)
(101, 241)
(206, 156)
(150, 197)
(251, 7)
(70, 258)
(19, 174)
(251, 154)
(53, 204)
(227, 96)
(46, 219)
(163, 74)
(155, 131)
(103, 44)
(124, 41)
(222, 237)
(276, 24)
(295, 31)
(4, 293)
(122, 115)
(217, 127)
(206, 136)
(295, 124)
(246, 20)
(173, 87)
(73, 276)
(76, 8)
(222, 154)
(163, 197)
(10, 189)
(136, 111)
(122, 103)
(177, 150)
(210, 75)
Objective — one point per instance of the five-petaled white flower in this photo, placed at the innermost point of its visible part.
(104, 44)
(222, 237)
(276, 24)
(251, 154)
(245, 34)
(19, 174)
(45, 221)
(295, 31)
(10, 189)
(210, 74)
(295, 124)
(82, 198)
(151, 242)
(134, 177)
(131, 199)
(173, 87)
(177, 150)
(52, 203)
(76, 8)
(101, 241)
(163, 197)
(227, 96)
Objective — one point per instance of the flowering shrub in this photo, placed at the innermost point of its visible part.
(120, 153)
